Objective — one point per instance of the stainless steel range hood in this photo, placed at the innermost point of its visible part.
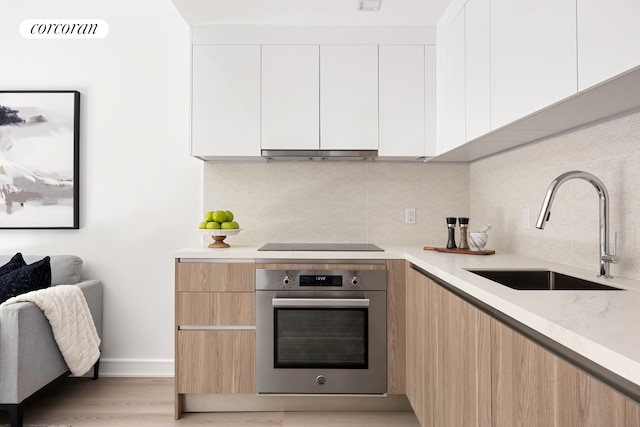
(307, 155)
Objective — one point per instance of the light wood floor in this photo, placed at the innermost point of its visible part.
(148, 402)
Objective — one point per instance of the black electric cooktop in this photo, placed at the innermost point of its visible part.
(338, 247)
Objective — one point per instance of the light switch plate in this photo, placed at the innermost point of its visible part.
(526, 218)
(410, 216)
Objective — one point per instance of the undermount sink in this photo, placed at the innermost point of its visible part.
(541, 280)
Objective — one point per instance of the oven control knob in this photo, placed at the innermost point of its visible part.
(321, 380)
(355, 282)
(286, 281)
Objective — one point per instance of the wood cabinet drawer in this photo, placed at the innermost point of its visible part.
(203, 276)
(216, 308)
(215, 362)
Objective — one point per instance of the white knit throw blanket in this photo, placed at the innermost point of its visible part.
(73, 328)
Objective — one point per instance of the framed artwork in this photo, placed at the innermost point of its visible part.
(39, 161)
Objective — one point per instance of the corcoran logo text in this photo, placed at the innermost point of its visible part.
(64, 28)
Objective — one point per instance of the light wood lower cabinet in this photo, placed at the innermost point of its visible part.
(523, 380)
(396, 326)
(466, 368)
(215, 277)
(584, 401)
(216, 362)
(421, 344)
(216, 308)
(448, 364)
(215, 329)
(533, 387)
(463, 375)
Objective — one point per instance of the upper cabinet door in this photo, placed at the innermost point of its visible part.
(290, 97)
(349, 97)
(451, 84)
(402, 101)
(226, 101)
(608, 39)
(430, 91)
(533, 53)
(478, 68)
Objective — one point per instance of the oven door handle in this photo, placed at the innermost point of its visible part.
(320, 302)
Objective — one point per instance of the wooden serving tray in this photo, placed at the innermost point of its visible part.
(460, 251)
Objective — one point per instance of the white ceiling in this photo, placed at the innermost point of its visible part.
(309, 12)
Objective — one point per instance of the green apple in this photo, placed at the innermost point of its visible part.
(212, 225)
(226, 226)
(209, 216)
(229, 215)
(235, 225)
(220, 216)
(203, 224)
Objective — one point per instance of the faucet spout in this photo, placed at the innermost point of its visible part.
(603, 195)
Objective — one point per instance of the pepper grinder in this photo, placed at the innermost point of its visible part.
(451, 227)
(464, 225)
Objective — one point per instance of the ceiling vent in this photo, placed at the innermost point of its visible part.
(369, 5)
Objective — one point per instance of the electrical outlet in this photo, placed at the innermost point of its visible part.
(526, 218)
(410, 216)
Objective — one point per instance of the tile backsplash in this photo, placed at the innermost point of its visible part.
(338, 201)
(502, 185)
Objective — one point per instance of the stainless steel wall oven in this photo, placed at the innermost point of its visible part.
(321, 331)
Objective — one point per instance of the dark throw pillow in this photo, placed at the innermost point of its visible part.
(25, 279)
(14, 263)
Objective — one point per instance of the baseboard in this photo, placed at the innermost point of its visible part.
(260, 403)
(137, 368)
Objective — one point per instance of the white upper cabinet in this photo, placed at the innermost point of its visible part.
(290, 97)
(533, 56)
(349, 97)
(477, 68)
(430, 126)
(451, 82)
(250, 97)
(531, 69)
(402, 101)
(225, 101)
(608, 39)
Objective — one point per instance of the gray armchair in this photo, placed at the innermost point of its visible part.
(29, 356)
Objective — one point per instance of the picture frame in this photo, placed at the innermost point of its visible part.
(39, 159)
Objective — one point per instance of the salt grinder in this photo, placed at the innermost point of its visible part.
(464, 225)
(451, 227)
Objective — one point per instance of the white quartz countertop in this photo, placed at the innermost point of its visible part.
(603, 326)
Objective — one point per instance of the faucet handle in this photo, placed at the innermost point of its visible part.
(613, 259)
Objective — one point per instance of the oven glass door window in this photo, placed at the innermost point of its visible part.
(321, 338)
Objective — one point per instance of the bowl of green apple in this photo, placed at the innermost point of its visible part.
(219, 224)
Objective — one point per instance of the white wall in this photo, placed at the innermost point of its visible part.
(140, 192)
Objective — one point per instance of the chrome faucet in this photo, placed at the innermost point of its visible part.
(603, 195)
